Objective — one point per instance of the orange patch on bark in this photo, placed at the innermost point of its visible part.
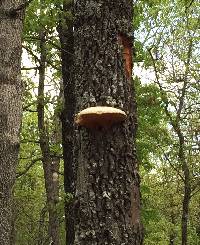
(126, 42)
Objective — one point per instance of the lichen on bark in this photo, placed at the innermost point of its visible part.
(107, 183)
(10, 112)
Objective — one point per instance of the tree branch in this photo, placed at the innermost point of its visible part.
(171, 164)
(30, 165)
(164, 98)
(32, 54)
(189, 5)
(29, 68)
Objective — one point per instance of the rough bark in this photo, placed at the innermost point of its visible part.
(50, 166)
(107, 206)
(65, 30)
(13, 228)
(10, 109)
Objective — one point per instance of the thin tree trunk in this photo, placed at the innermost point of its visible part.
(182, 149)
(10, 109)
(187, 187)
(185, 213)
(107, 202)
(41, 236)
(171, 239)
(65, 30)
(51, 168)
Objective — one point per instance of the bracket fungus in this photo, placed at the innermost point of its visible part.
(100, 116)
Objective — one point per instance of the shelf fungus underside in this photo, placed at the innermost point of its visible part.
(99, 116)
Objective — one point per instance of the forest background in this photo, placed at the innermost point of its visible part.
(166, 65)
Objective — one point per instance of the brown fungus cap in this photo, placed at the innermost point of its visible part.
(99, 116)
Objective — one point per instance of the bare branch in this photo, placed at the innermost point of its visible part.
(172, 165)
(194, 190)
(25, 141)
(31, 53)
(189, 5)
(29, 68)
(164, 98)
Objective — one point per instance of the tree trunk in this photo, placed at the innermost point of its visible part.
(173, 219)
(107, 206)
(172, 235)
(185, 212)
(10, 109)
(51, 167)
(13, 228)
(41, 226)
(187, 186)
(65, 30)
(171, 239)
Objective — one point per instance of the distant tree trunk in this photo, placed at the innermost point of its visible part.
(187, 187)
(172, 235)
(107, 206)
(185, 213)
(171, 239)
(41, 225)
(65, 30)
(173, 219)
(50, 166)
(10, 109)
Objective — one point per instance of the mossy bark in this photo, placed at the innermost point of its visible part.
(107, 207)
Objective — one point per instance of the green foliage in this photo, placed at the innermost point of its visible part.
(31, 214)
(152, 123)
(30, 196)
(167, 39)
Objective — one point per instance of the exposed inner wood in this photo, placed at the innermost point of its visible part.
(126, 42)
